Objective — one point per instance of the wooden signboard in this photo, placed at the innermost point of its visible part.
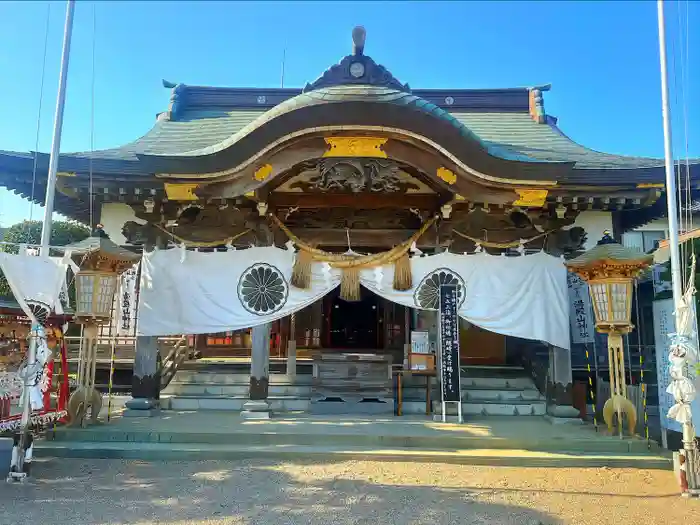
(449, 348)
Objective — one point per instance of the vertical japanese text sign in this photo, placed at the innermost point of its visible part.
(580, 310)
(449, 343)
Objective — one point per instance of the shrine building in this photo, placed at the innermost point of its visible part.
(356, 162)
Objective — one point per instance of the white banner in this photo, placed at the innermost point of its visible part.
(185, 292)
(580, 311)
(663, 326)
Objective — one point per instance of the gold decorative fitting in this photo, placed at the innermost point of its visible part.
(531, 198)
(458, 197)
(355, 147)
(65, 174)
(249, 194)
(262, 172)
(645, 185)
(447, 175)
(181, 192)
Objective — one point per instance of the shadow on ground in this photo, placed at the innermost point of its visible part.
(82, 492)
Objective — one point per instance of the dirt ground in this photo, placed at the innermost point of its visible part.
(81, 492)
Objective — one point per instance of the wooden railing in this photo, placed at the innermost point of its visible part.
(177, 355)
(124, 348)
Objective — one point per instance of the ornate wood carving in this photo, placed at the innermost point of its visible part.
(346, 175)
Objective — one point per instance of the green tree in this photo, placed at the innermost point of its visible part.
(29, 232)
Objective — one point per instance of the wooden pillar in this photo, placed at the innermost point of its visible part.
(560, 384)
(145, 384)
(292, 347)
(257, 407)
(407, 336)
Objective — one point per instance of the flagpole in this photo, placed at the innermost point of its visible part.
(25, 442)
(57, 128)
(674, 238)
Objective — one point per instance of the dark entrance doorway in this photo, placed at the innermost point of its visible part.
(352, 325)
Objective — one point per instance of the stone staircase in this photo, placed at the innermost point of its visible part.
(498, 391)
(486, 391)
(210, 389)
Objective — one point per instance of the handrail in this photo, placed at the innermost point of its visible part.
(177, 355)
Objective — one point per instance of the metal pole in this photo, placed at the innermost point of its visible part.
(673, 238)
(676, 278)
(57, 127)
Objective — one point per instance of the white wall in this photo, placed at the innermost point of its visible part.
(595, 223)
(655, 225)
(114, 215)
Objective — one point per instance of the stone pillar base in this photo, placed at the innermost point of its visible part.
(256, 409)
(141, 407)
(563, 414)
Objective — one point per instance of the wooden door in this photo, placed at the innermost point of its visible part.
(481, 347)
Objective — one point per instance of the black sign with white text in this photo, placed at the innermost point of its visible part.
(449, 342)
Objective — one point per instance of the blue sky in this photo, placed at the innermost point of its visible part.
(601, 58)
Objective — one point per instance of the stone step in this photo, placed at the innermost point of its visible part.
(215, 389)
(474, 394)
(495, 408)
(231, 403)
(203, 451)
(214, 428)
(496, 382)
(223, 378)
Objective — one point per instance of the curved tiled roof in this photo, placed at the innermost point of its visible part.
(209, 119)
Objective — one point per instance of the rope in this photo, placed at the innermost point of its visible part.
(489, 244)
(38, 118)
(594, 391)
(590, 388)
(211, 244)
(353, 261)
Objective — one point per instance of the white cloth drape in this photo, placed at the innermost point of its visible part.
(35, 280)
(185, 292)
(36, 283)
(522, 296)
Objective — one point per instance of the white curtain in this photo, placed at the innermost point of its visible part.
(185, 292)
(194, 293)
(36, 283)
(522, 296)
(35, 280)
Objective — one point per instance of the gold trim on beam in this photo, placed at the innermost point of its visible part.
(645, 185)
(262, 172)
(355, 147)
(180, 192)
(65, 174)
(531, 198)
(446, 175)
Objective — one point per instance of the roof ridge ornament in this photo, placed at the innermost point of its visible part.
(359, 34)
(357, 69)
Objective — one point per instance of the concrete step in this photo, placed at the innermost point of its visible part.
(203, 451)
(231, 403)
(496, 382)
(224, 378)
(216, 389)
(473, 394)
(381, 433)
(495, 408)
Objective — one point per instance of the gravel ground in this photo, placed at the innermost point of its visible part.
(80, 492)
